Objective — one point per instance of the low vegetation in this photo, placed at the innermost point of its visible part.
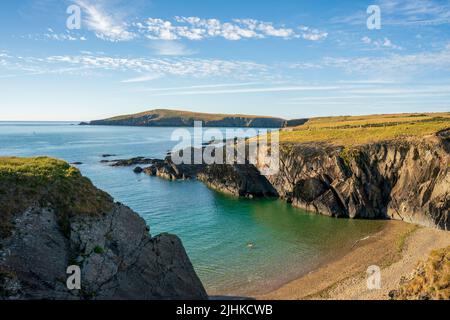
(431, 280)
(351, 131)
(165, 113)
(47, 182)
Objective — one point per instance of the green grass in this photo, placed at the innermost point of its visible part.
(352, 131)
(46, 182)
(401, 241)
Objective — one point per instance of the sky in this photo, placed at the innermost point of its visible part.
(286, 58)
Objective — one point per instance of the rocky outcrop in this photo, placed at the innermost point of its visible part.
(129, 162)
(238, 180)
(242, 180)
(406, 180)
(117, 256)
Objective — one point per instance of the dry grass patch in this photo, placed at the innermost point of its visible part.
(431, 280)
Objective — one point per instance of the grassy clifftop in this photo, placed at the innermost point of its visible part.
(47, 182)
(356, 130)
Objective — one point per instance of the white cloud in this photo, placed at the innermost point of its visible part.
(62, 36)
(383, 43)
(366, 40)
(195, 28)
(146, 68)
(312, 34)
(387, 43)
(105, 26)
(173, 66)
(108, 24)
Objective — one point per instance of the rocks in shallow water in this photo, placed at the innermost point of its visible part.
(138, 170)
(77, 163)
(129, 162)
(107, 155)
(239, 180)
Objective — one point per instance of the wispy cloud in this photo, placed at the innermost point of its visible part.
(146, 68)
(249, 90)
(105, 25)
(166, 66)
(67, 36)
(206, 86)
(415, 12)
(397, 64)
(403, 13)
(143, 78)
(170, 48)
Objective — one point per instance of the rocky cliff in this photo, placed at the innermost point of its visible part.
(52, 218)
(405, 179)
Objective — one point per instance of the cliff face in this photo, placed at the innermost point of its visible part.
(117, 256)
(406, 180)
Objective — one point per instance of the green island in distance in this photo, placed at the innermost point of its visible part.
(335, 130)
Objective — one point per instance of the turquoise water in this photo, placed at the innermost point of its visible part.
(215, 229)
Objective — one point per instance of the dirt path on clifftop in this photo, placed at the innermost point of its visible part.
(396, 249)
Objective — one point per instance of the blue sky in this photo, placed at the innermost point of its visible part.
(282, 58)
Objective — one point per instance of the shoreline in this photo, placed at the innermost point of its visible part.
(396, 249)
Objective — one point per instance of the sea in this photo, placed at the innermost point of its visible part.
(238, 247)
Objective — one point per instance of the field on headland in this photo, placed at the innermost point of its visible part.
(356, 130)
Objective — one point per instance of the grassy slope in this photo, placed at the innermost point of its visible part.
(47, 182)
(356, 130)
(184, 114)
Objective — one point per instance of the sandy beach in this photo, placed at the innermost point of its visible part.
(397, 249)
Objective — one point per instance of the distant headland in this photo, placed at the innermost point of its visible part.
(176, 118)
